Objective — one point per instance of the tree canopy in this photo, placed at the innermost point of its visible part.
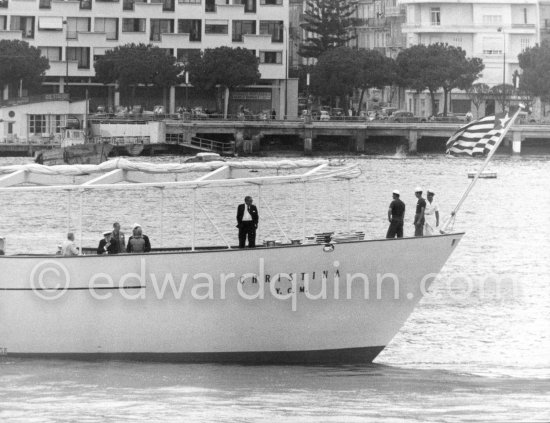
(535, 65)
(329, 21)
(19, 61)
(437, 66)
(336, 73)
(478, 93)
(225, 67)
(134, 64)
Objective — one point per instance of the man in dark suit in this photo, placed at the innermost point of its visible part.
(107, 245)
(247, 222)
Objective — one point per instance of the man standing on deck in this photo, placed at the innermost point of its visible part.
(396, 214)
(419, 214)
(247, 222)
(431, 214)
(118, 238)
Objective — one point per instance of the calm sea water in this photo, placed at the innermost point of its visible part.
(472, 351)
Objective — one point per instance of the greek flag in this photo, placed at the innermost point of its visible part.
(477, 138)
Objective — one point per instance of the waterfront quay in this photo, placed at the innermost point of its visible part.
(350, 136)
(262, 136)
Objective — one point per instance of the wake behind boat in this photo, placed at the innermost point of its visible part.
(341, 300)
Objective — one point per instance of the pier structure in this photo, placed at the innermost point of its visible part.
(249, 137)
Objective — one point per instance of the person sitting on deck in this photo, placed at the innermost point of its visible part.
(138, 243)
(67, 247)
(107, 245)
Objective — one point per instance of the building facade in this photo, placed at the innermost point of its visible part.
(493, 30)
(73, 34)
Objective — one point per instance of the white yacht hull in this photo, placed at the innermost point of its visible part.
(193, 320)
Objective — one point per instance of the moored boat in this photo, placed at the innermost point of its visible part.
(337, 299)
(74, 149)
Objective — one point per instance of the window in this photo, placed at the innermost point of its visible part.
(3, 23)
(193, 27)
(86, 4)
(37, 124)
(190, 1)
(59, 123)
(492, 19)
(273, 28)
(435, 14)
(4, 4)
(212, 26)
(167, 5)
(492, 45)
(249, 6)
(243, 27)
(525, 43)
(24, 24)
(185, 54)
(210, 6)
(80, 55)
(271, 2)
(161, 26)
(107, 25)
(271, 57)
(46, 124)
(76, 25)
(45, 4)
(133, 25)
(53, 54)
(524, 15)
(129, 4)
(457, 41)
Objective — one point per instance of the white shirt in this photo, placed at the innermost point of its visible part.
(246, 215)
(429, 212)
(68, 248)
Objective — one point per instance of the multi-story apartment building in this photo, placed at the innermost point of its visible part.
(378, 26)
(73, 33)
(493, 30)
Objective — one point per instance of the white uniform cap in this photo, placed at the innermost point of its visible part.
(430, 191)
(136, 225)
(418, 189)
(107, 233)
(396, 192)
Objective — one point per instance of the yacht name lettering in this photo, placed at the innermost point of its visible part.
(301, 276)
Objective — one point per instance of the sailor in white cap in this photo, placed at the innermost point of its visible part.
(105, 245)
(431, 214)
(419, 213)
(396, 215)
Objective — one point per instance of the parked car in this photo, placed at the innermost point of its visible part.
(386, 112)
(450, 118)
(337, 113)
(324, 115)
(402, 116)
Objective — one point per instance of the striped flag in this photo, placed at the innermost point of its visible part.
(477, 138)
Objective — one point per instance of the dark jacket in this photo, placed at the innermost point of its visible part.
(146, 247)
(112, 248)
(253, 213)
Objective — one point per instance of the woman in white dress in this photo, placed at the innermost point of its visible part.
(431, 215)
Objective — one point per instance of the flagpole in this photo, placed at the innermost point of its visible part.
(481, 169)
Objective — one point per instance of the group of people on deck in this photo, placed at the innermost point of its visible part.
(426, 221)
(426, 217)
(113, 242)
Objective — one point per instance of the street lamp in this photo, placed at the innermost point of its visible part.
(501, 29)
(66, 26)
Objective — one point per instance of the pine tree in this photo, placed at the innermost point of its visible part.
(329, 22)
